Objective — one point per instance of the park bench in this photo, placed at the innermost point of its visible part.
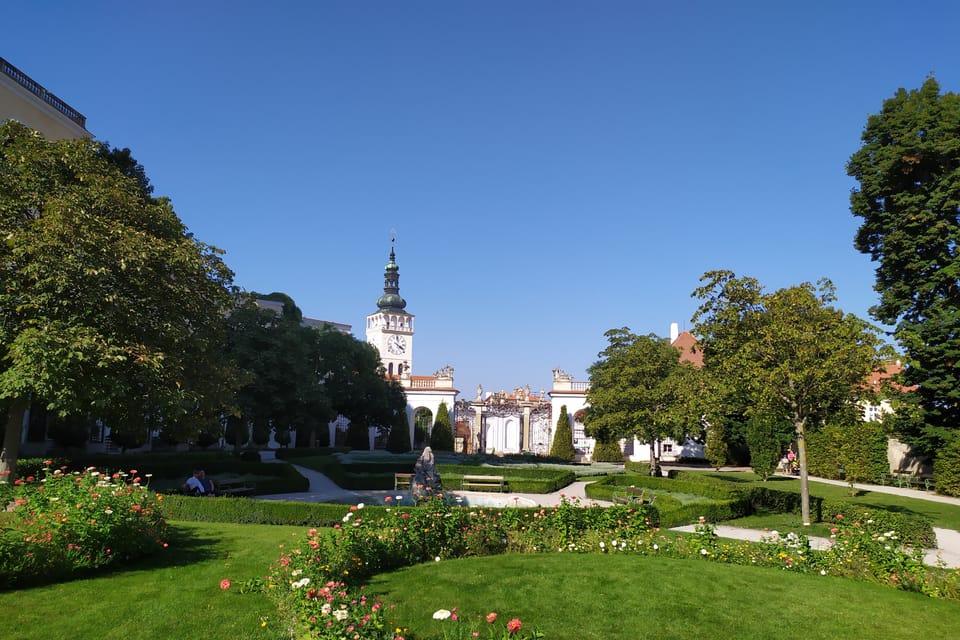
(632, 495)
(402, 481)
(235, 488)
(483, 482)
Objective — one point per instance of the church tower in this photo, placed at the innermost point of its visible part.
(390, 328)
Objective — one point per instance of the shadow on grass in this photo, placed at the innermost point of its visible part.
(186, 545)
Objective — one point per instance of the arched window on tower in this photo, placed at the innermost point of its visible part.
(400, 369)
(390, 368)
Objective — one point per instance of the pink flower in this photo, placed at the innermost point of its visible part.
(491, 617)
(514, 625)
(454, 617)
(224, 584)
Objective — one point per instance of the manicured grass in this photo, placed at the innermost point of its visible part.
(940, 513)
(783, 523)
(174, 595)
(177, 595)
(606, 597)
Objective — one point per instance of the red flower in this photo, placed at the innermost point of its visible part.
(224, 584)
(47, 463)
(514, 625)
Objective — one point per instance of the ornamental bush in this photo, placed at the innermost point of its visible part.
(562, 446)
(607, 452)
(441, 437)
(946, 468)
(65, 523)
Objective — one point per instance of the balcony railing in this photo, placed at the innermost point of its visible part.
(37, 89)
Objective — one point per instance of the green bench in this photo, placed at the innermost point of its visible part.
(234, 488)
(632, 495)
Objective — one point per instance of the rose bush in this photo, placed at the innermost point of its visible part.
(66, 522)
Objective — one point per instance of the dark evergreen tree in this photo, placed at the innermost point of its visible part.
(562, 446)
(399, 439)
(441, 437)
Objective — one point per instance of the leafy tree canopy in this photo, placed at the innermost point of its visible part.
(108, 306)
(908, 170)
(789, 355)
(640, 388)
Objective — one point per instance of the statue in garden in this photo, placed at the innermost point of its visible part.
(426, 480)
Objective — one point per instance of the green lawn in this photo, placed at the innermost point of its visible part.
(606, 597)
(941, 514)
(174, 595)
(177, 595)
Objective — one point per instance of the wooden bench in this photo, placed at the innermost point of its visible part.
(235, 488)
(632, 495)
(483, 482)
(402, 481)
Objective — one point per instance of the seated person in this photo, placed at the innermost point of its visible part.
(194, 486)
(207, 483)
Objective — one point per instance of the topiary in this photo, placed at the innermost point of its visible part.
(946, 468)
(562, 446)
(607, 452)
(398, 441)
(765, 440)
(441, 438)
(715, 447)
(358, 436)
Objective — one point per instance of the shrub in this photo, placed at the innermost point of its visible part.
(358, 436)
(562, 447)
(607, 452)
(398, 441)
(441, 437)
(250, 455)
(765, 440)
(947, 469)
(72, 522)
(715, 447)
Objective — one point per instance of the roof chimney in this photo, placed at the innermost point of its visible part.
(674, 332)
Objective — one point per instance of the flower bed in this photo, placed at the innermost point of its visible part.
(65, 523)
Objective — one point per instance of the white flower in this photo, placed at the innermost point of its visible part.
(656, 546)
(340, 614)
(437, 559)
(399, 498)
(302, 582)
(703, 552)
(296, 572)
(325, 609)
(823, 572)
(360, 506)
(441, 614)
(346, 518)
(108, 511)
(602, 545)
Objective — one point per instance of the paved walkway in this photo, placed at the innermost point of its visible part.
(322, 489)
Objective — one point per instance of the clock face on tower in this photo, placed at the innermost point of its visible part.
(397, 344)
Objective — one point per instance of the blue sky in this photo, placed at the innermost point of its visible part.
(553, 169)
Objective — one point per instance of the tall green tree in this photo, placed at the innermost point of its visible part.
(789, 353)
(640, 389)
(354, 381)
(108, 304)
(441, 436)
(908, 169)
(562, 446)
(279, 358)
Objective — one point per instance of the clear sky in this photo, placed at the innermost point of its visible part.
(553, 169)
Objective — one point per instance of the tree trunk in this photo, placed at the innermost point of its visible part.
(655, 459)
(804, 486)
(10, 450)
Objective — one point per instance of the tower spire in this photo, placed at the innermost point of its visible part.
(391, 300)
